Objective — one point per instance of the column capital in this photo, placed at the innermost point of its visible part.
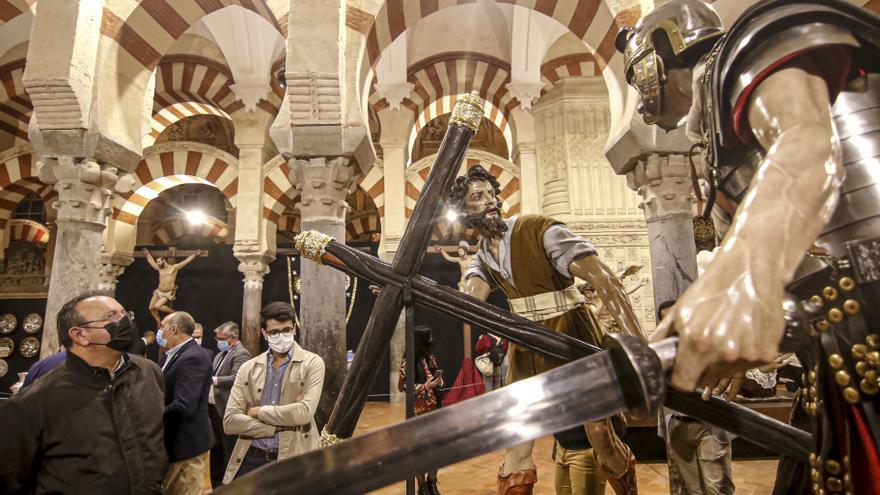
(108, 276)
(323, 184)
(84, 187)
(526, 92)
(395, 92)
(253, 264)
(664, 185)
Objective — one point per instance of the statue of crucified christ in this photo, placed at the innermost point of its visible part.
(165, 293)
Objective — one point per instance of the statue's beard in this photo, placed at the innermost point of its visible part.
(491, 226)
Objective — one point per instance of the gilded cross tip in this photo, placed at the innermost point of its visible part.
(312, 244)
(468, 111)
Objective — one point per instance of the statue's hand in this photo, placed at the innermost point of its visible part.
(729, 320)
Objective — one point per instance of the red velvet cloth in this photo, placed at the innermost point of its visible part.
(864, 460)
(469, 383)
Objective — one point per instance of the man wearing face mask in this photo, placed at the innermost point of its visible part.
(273, 401)
(92, 425)
(188, 433)
(227, 362)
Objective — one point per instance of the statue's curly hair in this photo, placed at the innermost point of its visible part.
(456, 196)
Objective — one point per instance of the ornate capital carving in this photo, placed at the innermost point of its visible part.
(250, 93)
(664, 184)
(84, 187)
(323, 185)
(254, 266)
(526, 92)
(109, 276)
(394, 93)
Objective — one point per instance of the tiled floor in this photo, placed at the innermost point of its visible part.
(477, 476)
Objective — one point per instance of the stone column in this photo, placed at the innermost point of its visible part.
(656, 166)
(664, 185)
(84, 188)
(323, 186)
(529, 187)
(254, 266)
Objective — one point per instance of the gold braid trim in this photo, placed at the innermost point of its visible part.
(311, 244)
(468, 111)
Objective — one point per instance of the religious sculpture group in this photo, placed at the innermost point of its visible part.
(782, 106)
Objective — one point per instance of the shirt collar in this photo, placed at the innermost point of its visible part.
(174, 350)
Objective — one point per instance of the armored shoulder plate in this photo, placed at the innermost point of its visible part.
(771, 32)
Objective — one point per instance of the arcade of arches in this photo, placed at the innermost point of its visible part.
(230, 126)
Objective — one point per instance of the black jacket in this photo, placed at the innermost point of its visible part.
(77, 431)
(188, 430)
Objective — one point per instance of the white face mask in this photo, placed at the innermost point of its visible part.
(199, 340)
(281, 343)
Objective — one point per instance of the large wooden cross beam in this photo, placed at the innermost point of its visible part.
(463, 124)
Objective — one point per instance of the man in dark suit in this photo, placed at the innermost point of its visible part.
(139, 347)
(226, 363)
(188, 433)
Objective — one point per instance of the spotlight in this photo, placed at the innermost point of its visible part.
(451, 215)
(196, 217)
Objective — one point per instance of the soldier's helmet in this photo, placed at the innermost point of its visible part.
(690, 27)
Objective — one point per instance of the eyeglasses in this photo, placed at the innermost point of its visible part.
(285, 331)
(112, 318)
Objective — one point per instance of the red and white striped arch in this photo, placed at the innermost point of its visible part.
(572, 65)
(188, 85)
(505, 171)
(148, 31)
(10, 9)
(440, 79)
(11, 196)
(15, 104)
(176, 229)
(21, 229)
(169, 165)
(279, 192)
(445, 105)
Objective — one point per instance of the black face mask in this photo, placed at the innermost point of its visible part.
(122, 334)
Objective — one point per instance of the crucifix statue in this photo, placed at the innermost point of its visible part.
(463, 259)
(167, 290)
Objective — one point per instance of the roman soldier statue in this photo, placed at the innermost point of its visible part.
(786, 107)
(533, 259)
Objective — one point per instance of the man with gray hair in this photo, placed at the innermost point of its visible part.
(188, 435)
(226, 364)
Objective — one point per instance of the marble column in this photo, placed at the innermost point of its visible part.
(84, 188)
(254, 267)
(323, 185)
(656, 165)
(663, 183)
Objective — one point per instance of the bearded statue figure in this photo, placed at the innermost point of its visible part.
(533, 259)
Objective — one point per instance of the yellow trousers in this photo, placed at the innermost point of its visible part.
(185, 477)
(577, 472)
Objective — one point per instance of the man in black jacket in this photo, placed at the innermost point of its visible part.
(139, 348)
(188, 435)
(92, 425)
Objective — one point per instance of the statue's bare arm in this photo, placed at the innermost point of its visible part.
(731, 318)
(188, 260)
(610, 291)
(150, 259)
(446, 255)
(477, 287)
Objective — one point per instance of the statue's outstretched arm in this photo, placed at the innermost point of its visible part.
(731, 318)
(150, 259)
(610, 291)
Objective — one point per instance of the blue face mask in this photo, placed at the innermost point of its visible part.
(222, 345)
(160, 339)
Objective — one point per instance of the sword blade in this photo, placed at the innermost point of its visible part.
(584, 390)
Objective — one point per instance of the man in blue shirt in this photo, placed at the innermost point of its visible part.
(272, 404)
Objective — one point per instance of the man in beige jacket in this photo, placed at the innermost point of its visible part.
(272, 404)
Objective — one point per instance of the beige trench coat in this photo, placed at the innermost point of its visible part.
(304, 375)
